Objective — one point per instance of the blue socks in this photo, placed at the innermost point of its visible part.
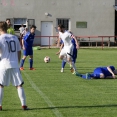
(63, 64)
(91, 76)
(31, 62)
(84, 76)
(22, 63)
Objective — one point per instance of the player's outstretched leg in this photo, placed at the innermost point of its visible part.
(86, 76)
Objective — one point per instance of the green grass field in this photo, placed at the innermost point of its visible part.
(51, 93)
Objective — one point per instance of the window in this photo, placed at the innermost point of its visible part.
(81, 24)
(18, 22)
(65, 22)
(31, 22)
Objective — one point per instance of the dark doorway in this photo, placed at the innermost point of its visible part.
(115, 22)
(116, 25)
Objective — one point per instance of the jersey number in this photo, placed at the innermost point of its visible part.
(11, 46)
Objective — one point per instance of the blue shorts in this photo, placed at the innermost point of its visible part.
(28, 51)
(97, 71)
(74, 53)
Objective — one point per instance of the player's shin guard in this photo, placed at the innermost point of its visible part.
(22, 62)
(31, 63)
(1, 95)
(21, 95)
(63, 64)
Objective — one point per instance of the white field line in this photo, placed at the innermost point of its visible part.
(50, 104)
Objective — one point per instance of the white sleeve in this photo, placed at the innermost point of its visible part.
(69, 34)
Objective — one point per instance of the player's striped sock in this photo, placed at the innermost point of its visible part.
(86, 76)
(21, 95)
(22, 62)
(1, 95)
(31, 62)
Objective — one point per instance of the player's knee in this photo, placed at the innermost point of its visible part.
(1, 86)
(31, 57)
(24, 57)
(60, 57)
(20, 85)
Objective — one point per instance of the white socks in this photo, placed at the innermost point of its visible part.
(1, 95)
(73, 65)
(21, 95)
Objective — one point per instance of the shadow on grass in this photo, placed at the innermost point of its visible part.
(67, 107)
(63, 107)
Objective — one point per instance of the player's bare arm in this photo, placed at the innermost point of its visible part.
(109, 69)
(23, 47)
(62, 45)
(77, 44)
(58, 42)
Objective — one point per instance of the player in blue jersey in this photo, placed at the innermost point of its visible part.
(27, 44)
(101, 72)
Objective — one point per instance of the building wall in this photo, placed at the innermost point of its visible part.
(99, 14)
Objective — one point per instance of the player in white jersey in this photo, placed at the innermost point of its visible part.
(67, 50)
(9, 69)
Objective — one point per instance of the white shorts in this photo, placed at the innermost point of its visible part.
(12, 75)
(67, 51)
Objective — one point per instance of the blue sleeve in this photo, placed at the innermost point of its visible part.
(61, 42)
(25, 38)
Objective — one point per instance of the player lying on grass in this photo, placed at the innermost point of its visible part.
(101, 72)
(67, 50)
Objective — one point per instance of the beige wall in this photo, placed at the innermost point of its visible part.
(99, 14)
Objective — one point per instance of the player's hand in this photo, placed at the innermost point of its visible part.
(113, 76)
(23, 47)
(77, 46)
(57, 53)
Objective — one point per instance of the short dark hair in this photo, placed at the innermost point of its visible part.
(61, 26)
(33, 26)
(3, 26)
(8, 19)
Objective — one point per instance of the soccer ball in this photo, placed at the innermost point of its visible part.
(47, 59)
